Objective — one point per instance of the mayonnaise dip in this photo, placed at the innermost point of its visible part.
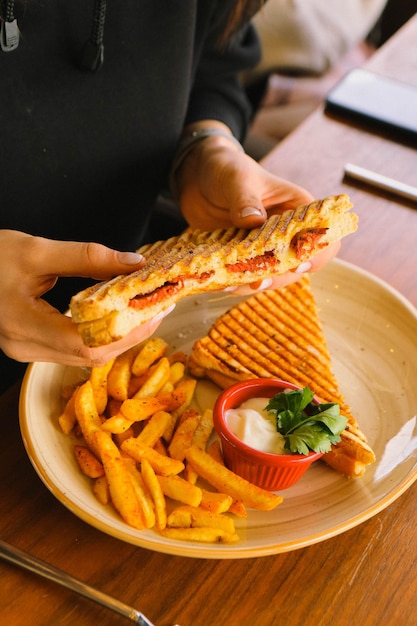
(255, 426)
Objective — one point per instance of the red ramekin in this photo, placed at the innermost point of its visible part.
(273, 472)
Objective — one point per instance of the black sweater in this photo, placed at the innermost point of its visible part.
(83, 156)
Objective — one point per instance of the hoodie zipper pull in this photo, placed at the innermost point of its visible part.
(92, 56)
(9, 36)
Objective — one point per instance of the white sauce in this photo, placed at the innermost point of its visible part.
(255, 426)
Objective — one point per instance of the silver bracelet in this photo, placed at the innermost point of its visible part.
(187, 144)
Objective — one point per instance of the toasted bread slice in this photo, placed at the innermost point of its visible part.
(196, 262)
(277, 333)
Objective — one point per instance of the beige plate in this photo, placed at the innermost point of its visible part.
(372, 336)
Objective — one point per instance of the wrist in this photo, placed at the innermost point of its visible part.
(187, 144)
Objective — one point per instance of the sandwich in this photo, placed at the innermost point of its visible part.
(277, 333)
(196, 262)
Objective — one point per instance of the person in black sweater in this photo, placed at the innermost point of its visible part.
(96, 100)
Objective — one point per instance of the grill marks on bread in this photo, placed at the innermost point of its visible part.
(197, 262)
(277, 333)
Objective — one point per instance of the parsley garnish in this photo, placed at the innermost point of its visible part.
(304, 425)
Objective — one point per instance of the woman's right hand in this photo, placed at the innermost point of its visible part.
(30, 328)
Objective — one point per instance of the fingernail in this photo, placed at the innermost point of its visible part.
(230, 289)
(304, 267)
(265, 284)
(130, 258)
(249, 210)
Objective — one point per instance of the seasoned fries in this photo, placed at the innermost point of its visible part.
(149, 353)
(89, 464)
(228, 482)
(183, 435)
(122, 491)
(98, 379)
(164, 465)
(180, 490)
(147, 449)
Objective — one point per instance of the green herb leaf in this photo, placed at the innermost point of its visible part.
(304, 425)
(309, 437)
(294, 401)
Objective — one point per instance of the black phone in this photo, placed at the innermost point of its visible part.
(376, 101)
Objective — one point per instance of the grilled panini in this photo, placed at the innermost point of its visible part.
(196, 262)
(277, 333)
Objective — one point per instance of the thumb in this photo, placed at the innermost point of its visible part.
(89, 260)
(246, 209)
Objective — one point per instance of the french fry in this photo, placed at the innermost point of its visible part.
(87, 415)
(183, 435)
(119, 438)
(68, 418)
(178, 489)
(186, 386)
(89, 464)
(135, 383)
(180, 517)
(178, 357)
(176, 372)
(237, 507)
(113, 407)
(101, 489)
(120, 374)
(201, 535)
(160, 447)
(157, 494)
(154, 429)
(158, 376)
(195, 517)
(215, 451)
(152, 350)
(163, 465)
(117, 424)
(167, 388)
(123, 493)
(215, 502)
(200, 438)
(138, 409)
(98, 379)
(204, 430)
(226, 481)
(145, 445)
(142, 492)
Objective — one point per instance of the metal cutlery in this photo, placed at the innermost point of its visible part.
(23, 559)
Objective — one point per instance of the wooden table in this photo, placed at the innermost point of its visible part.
(364, 577)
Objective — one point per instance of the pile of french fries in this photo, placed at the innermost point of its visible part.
(150, 454)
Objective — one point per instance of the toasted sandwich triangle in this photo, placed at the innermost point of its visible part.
(277, 333)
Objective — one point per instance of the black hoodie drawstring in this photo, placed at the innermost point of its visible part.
(92, 55)
(9, 34)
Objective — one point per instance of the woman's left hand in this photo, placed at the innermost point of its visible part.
(221, 186)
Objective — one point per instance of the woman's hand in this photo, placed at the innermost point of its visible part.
(33, 330)
(221, 186)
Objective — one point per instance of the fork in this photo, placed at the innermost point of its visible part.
(27, 561)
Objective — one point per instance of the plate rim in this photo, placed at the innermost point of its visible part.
(219, 551)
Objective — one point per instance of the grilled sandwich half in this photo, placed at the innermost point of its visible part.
(277, 333)
(197, 262)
